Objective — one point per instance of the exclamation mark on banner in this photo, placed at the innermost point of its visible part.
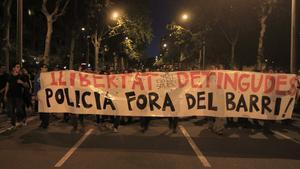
(287, 107)
(277, 106)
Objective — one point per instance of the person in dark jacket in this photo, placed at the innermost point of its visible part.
(25, 77)
(74, 117)
(3, 80)
(14, 91)
(44, 116)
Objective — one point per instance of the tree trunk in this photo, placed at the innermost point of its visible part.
(72, 48)
(51, 17)
(232, 62)
(122, 63)
(97, 49)
(267, 10)
(204, 54)
(260, 50)
(115, 62)
(200, 58)
(96, 43)
(6, 47)
(96, 58)
(48, 39)
(88, 52)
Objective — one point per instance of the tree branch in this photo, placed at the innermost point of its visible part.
(57, 5)
(227, 37)
(94, 39)
(44, 8)
(236, 37)
(56, 12)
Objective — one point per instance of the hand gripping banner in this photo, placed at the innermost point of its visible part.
(217, 93)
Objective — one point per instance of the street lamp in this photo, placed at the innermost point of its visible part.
(184, 17)
(83, 28)
(30, 12)
(20, 31)
(115, 15)
(293, 66)
(165, 45)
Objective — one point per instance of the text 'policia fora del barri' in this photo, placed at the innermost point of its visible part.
(187, 93)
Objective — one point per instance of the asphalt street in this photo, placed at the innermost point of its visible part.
(192, 147)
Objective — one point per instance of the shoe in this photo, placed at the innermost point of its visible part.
(24, 123)
(174, 131)
(109, 126)
(12, 128)
(102, 127)
(220, 133)
(115, 130)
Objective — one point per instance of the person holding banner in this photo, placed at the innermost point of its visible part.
(173, 121)
(100, 119)
(44, 117)
(230, 120)
(104, 120)
(75, 117)
(115, 119)
(219, 122)
(144, 121)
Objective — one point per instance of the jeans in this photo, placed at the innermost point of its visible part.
(16, 109)
(75, 118)
(173, 122)
(44, 120)
(145, 123)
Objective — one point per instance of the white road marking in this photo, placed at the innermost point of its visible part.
(199, 154)
(73, 149)
(285, 136)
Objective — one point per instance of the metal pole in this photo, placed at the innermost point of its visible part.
(200, 58)
(204, 48)
(293, 38)
(20, 31)
(88, 51)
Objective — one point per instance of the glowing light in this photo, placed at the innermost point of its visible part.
(30, 12)
(185, 17)
(115, 15)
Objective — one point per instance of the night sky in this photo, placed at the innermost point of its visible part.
(163, 12)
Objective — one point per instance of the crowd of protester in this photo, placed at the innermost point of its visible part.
(19, 88)
(15, 96)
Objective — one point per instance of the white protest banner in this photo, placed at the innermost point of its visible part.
(218, 93)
